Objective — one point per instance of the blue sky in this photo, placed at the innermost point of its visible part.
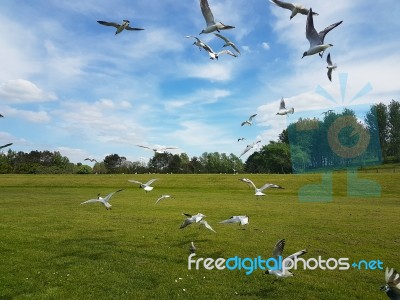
(69, 84)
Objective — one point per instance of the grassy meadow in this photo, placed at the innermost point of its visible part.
(54, 248)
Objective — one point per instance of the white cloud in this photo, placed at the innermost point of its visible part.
(266, 46)
(212, 70)
(23, 91)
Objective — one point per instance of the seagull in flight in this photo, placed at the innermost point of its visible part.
(329, 111)
(192, 219)
(249, 147)
(199, 43)
(294, 8)
(392, 286)
(146, 186)
(242, 220)
(259, 191)
(241, 139)
(284, 272)
(317, 39)
(330, 66)
(163, 197)
(102, 200)
(120, 27)
(227, 42)
(206, 225)
(158, 149)
(6, 145)
(210, 22)
(282, 109)
(249, 121)
(91, 159)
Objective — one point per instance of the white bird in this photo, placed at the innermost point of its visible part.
(284, 272)
(191, 219)
(6, 145)
(227, 42)
(259, 191)
(249, 121)
(214, 55)
(120, 27)
(210, 22)
(249, 147)
(294, 8)
(199, 43)
(104, 201)
(146, 186)
(192, 248)
(282, 109)
(330, 66)
(317, 39)
(91, 159)
(163, 197)
(241, 139)
(392, 286)
(158, 149)
(242, 220)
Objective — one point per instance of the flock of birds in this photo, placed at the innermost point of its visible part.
(317, 46)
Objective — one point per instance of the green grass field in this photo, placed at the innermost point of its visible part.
(54, 248)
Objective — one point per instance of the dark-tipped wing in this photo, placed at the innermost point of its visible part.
(311, 34)
(329, 73)
(282, 104)
(392, 278)
(6, 145)
(206, 11)
(252, 116)
(278, 249)
(328, 60)
(323, 33)
(133, 28)
(113, 24)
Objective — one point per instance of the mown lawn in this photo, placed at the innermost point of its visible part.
(54, 248)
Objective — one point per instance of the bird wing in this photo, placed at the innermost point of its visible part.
(6, 145)
(116, 25)
(270, 185)
(150, 181)
(292, 256)
(234, 47)
(328, 60)
(311, 34)
(187, 222)
(133, 28)
(162, 197)
(108, 197)
(252, 116)
(249, 182)
(91, 201)
(244, 123)
(206, 11)
(222, 37)
(248, 147)
(227, 52)
(329, 73)
(278, 249)
(144, 147)
(282, 104)
(232, 219)
(392, 278)
(322, 33)
(135, 181)
(207, 225)
(282, 4)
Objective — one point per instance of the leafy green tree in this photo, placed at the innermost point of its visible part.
(394, 129)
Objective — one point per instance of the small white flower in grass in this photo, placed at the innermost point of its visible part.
(184, 290)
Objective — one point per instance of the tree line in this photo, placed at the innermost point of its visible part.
(339, 140)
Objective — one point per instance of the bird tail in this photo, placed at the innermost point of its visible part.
(334, 67)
